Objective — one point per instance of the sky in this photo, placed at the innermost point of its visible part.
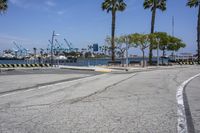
(82, 22)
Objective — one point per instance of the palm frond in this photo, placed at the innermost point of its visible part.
(120, 5)
(161, 5)
(107, 5)
(3, 6)
(193, 3)
(148, 4)
(114, 5)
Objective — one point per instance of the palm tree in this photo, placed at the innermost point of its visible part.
(41, 52)
(34, 52)
(3, 6)
(113, 6)
(154, 5)
(196, 3)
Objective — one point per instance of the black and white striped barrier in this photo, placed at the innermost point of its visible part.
(23, 65)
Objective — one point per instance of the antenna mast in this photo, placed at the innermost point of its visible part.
(172, 25)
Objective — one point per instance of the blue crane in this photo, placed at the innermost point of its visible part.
(69, 45)
(21, 50)
(60, 46)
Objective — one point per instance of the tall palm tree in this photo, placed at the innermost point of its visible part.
(41, 52)
(35, 52)
(154, 5)
(113, 6)
(196, 3)
(3, 6)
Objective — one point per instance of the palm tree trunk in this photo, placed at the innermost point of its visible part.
(152, 31)
(113, 35)
(198, 36)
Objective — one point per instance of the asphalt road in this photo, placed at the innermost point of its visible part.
(24, 79)
(45, 71)
(110, 103)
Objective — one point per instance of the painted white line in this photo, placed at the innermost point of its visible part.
(182, 121)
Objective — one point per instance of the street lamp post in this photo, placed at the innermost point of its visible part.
(126, 40)
(52, 41)
(158, 45)
(158, 61)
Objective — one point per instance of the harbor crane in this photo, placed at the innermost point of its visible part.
(21, 51)
(60, 46)
(57, 47)
(69, 45)
(49, 47)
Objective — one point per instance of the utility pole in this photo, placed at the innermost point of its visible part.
(173, 26)
(158, 59)
(158, 45)
(52, 41)
(198, 36)
(126, 51)
(174, 53)
(52, 48)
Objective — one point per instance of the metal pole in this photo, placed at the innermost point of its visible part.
(198, 35)
(172, 25)
(126, 40)
(174, 52)
(52, 47)
(158, 61)
(126, 54)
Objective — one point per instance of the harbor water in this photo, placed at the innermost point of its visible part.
(80, 62)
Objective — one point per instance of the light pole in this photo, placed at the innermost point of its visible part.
(52, 41)
(158, 61)
(158, 45)
(126, 40)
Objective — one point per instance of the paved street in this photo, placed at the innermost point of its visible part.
(23, 79)
(107, 103)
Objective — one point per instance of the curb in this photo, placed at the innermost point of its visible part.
(182, 125)
(73, 68)
(103, 70)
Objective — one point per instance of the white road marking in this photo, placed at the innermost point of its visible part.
(182, 121)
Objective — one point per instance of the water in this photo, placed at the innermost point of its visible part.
(79, 62)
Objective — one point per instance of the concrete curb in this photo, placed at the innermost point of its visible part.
(96, 69)
(77, 68)
(182, 120)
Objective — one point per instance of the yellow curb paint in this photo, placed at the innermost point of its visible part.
(105, 71)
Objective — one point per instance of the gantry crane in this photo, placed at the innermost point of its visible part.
(21, 51)
(69, 45)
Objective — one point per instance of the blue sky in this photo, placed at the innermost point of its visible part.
(82, 22)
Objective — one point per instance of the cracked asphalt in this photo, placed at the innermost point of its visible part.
(143, 102)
